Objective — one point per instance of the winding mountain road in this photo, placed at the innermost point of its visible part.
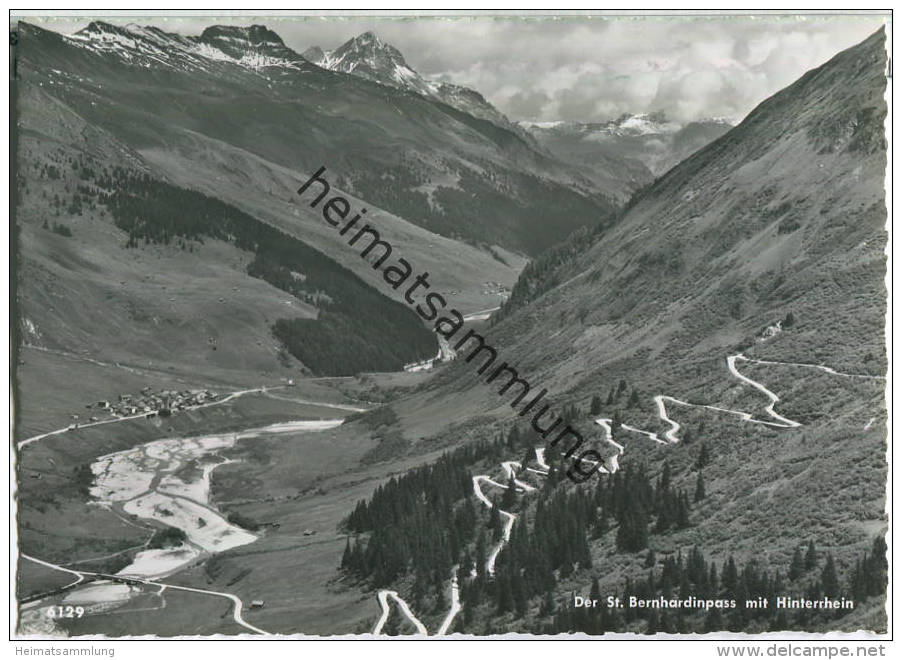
(385, 594)
(776, 419)
(455, 604)
(237, 604)
(481, 315)
(612, 465)
(383, 597)
(509, 468)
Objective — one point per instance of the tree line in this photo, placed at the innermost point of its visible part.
(420, 523)
(428, 521)
(357, 328)
(694, 575)
(415, 528)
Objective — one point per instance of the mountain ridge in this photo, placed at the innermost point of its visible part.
(299, 115)
(252, 47)
(845, 126)
(745, 286)
(369, 57)
(647, 138)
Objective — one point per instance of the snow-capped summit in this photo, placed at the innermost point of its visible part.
(626, 125)
(104, 36)
(367, 56)
(643, 124)
(651, 138)
(250, 47)
(137, 45)
(255, 43)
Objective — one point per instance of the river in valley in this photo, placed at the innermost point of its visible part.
(164, 481)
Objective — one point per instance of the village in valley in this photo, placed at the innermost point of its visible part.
(148, 403)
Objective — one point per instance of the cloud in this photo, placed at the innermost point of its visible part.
(595, 68)
(527, 103)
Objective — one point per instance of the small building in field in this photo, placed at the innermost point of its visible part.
(257, 604)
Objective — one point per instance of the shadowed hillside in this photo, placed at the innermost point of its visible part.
(414, 156)
(767, 248)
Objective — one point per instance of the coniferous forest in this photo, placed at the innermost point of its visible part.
(357, 329)
(479, 208)
(416, 529)
(696, 575)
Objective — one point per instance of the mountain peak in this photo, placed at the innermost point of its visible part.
(314, 54)
(97, 28)
(258, 35)
(367, 56)
(368, 45)
(252, 47)
(367, 38)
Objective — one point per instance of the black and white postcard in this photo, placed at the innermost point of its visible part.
(463, 324)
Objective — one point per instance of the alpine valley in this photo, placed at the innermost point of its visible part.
(226, 422)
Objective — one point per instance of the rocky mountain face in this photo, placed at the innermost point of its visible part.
(149, 47)
(369, 57)
(766, 244)
(651, 139)
(254, 45)
(795, 189)
(242, 91)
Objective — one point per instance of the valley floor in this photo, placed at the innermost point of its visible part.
(158, 484)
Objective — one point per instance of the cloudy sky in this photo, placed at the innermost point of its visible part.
(589, 68)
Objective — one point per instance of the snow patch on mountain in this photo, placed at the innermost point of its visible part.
(655, 140)
(369, 57)
(252, 48)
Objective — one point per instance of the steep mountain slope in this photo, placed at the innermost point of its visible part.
(150, 47)
(650, 139)
(369, 57)
(436, 166)
(784, 211)
(690, 138)
(768, 244)
(782, 219)
(118, 264)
